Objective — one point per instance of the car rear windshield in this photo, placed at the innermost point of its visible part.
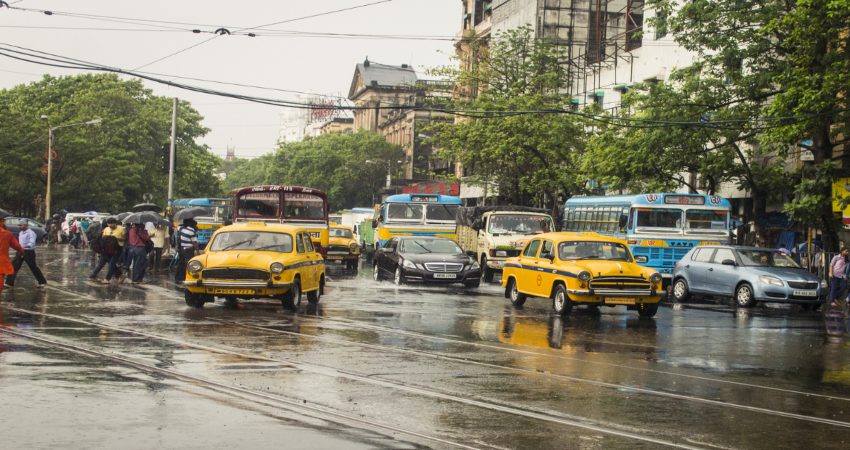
(252, 240)
(766, 258)
(445, 246)
(575, 250)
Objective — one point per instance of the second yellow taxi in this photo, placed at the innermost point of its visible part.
(581, 268)
(342, 246)
(254, 260)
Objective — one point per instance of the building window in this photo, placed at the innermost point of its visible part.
(596, 31)
(660, 25)
(634, 24)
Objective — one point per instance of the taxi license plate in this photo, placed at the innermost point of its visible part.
(447, 276)
(332, 257)
(806, 293)
(234, 291)
(619, 300)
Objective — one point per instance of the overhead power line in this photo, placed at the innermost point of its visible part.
(37, 57)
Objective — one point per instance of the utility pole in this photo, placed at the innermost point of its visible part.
(171, 154)
(49, 172)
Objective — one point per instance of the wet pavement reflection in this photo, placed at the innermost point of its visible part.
(376, 365)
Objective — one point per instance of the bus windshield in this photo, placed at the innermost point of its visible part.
(303, 206)
(440, 213)
(659, 218)
(517, 224)
(403, 212)
(259, 204)
(706, 219)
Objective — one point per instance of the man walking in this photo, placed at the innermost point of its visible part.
(7, 239)
(112, 238)
(27, 239)
(187, 245)
(837, 277)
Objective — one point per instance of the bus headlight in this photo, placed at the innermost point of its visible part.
(655, 278)
(584, 275)
(276, 267)
(194, 266)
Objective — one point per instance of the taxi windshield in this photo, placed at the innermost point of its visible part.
(606, 251)
(252, 241)
(341, 232)
(517, 224)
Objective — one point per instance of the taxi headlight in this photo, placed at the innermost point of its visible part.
(194, 266)
(655, 278)
(584, 275)
(767, 279)
(353, 247)
(276, 267)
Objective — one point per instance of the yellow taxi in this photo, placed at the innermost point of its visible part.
(342, 246)
(253, 260)
(581, 268)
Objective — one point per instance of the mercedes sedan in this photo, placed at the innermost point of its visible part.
(426, 259)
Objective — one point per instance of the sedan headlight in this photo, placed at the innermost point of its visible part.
(767, 279)
(276, 267)
(823, 284)
(408, 264)
(655, 278)
(194, 266)
(474, 265)
(584, 275)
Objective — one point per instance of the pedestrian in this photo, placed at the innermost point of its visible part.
(26, 238)
(112, 241)
(783, 250)
(7, 239)
(187, 245)
(837, 277)
(84, 232)
(157, 234)
(137, 242)
(73, 233)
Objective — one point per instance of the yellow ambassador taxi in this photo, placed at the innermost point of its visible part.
(342, 246)
(253, 260)
(581, 268)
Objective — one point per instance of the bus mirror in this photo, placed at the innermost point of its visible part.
(641, 259)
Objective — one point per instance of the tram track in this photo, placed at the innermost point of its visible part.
(550, 417)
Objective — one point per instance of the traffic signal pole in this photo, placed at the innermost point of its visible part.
(171, 154)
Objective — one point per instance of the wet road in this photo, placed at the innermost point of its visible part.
(376, 366)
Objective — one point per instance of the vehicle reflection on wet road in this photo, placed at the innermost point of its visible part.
(376, 365)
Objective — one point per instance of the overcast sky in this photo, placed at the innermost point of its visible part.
(313, 64)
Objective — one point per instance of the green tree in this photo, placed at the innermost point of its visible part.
(107, 167)
(523, 154)
(333, 163)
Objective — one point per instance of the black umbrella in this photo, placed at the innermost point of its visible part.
(4, 213)
(142, 217)
(191, 213)
(121, 216)
(144, 207)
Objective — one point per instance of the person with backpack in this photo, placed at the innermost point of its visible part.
(187, 245)
(110, 248)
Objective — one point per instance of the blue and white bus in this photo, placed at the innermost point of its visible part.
(219, 211)
(659, 228)
(416, 215)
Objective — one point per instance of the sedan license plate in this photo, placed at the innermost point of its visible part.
(447, 276)
(234, 291)
(619, 300)
(806, 293)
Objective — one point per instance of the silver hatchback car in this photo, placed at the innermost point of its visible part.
(748, 275)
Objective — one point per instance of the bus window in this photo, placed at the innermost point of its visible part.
(259, 204)
(303, 206)
(404, 212)
(441, 212)
(703, 219)
(659, 218)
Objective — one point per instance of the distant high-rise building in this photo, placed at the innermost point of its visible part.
(231, 153)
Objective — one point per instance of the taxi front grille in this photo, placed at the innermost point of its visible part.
(235, 274)
(620, 284)
(337, 248)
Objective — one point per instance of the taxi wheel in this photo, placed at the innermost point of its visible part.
(292, 298)
(680, 290)
(561, 302)
(744, 296)
(517, 299)
(194, 300)
(486, 272)
(647, 310)
(376, 273)
(399, 276)
(314, 296)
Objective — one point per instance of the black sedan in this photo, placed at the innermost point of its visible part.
(37, 227)
(425, 259)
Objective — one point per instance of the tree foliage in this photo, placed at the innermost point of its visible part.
(333, 163)
(522, 154)
(107, 167)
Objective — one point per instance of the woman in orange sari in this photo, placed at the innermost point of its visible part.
(7, 239)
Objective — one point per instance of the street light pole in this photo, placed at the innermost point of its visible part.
(50, 131)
